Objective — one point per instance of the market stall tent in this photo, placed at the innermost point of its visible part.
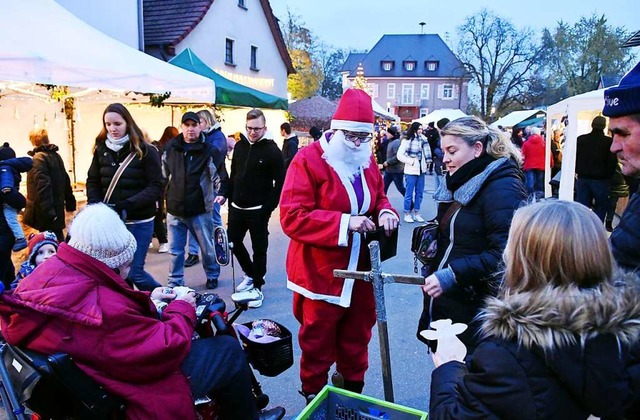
(438, 114)
(57, 48)
(518, 117)
(228, 92)
(578, 111)
(49, 56)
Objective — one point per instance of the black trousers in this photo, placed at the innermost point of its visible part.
(217, 366)
(7, 270)
(257, 223)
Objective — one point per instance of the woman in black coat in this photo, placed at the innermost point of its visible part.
(557, 341)
(138, 190)
(485, 186)
(49, 190)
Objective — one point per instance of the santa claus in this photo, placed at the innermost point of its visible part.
(332, 194)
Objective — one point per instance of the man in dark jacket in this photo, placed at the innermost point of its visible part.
(393, 168)
(622, 106)
(49, 190)
(257, 175)
(289, 145)
(595, 166)
(195, 183)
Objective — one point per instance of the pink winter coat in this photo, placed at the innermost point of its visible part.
(77, 305)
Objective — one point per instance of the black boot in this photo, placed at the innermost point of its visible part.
(354, 386)
(308, 397)
(609, 225)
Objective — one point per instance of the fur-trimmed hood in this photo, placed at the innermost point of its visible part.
(560, 316)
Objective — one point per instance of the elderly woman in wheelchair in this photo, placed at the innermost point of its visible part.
(79, 304)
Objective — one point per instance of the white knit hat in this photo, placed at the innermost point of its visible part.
(98, 232)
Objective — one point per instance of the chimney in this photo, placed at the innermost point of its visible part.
(422, 27)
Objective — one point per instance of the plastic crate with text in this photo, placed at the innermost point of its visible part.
(338, 404)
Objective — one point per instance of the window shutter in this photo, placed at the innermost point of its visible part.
(440, 91)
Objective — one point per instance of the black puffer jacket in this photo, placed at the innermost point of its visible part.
(140, 185)
(48, 190)
(193, 181)
(625, 239)
(472, 243)
(554, 353)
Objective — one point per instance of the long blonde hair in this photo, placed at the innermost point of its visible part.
(558, 243)
(472, 129)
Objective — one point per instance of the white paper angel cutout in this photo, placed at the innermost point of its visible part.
(449, 345)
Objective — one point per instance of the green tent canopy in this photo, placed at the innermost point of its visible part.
(228, 92)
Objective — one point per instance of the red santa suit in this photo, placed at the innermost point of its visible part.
(336, 315)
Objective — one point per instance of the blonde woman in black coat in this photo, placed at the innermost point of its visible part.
(557, 340)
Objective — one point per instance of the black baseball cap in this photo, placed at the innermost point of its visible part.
(190, 116)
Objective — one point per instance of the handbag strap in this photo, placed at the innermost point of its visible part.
(117, 175)
(452, 209)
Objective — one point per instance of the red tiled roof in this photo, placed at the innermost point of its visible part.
(167, 22)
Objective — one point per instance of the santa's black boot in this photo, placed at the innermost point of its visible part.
(308, 397)
(354, 386)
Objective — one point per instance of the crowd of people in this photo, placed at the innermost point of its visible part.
(550, 303)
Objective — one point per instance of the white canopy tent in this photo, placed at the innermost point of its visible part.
(380, 111)
(439, 114)
(579, 111)
(73, 53)
(516, 117)
(60, 56)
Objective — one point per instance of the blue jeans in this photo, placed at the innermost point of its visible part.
(396, 178)
(594, 193)
(192, 244)
(415, 184)
(11, 216)
(534, 181)
(201, 227)
(143, 232)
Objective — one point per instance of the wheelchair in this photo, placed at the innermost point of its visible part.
(53, 387)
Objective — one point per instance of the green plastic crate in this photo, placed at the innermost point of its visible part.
(338, 404)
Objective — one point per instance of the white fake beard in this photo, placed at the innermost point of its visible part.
(345, 158)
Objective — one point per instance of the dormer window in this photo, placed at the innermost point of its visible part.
(409, 65)
(432, 65)
(387, 65)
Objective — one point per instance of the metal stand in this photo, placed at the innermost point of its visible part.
(378, 278)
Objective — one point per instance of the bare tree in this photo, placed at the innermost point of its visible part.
(500, 59)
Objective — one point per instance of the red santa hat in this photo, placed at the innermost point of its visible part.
(354, 113)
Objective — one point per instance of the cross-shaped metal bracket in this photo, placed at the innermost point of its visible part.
(379, 279)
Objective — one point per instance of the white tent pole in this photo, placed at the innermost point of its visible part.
(567, 179)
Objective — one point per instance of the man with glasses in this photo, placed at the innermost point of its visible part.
(255, 183)
(334, 193)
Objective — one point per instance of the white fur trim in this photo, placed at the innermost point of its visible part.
(345, 296)
(354, 126)
(383, 211)
(343, 236)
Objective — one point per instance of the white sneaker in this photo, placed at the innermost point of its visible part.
(408, 218)
(151, 245)
(245, 285)
(253, 297)
(257, 302)
(163, 248)
(418, 218)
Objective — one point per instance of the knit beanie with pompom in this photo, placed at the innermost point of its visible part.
(98, 232)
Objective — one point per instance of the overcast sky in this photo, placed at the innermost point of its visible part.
(360, 24)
